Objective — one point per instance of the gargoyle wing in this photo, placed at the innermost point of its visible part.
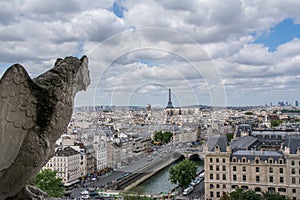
(17, 112)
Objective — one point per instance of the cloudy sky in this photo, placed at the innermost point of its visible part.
(208, 52)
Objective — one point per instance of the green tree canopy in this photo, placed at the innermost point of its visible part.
(47, 181)
(163, 137)
(275, 123)
(251, 195)
(183, 173)
(229, 136)
(248, 113)
(273, 196)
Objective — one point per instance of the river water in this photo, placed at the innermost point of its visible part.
(159, 183)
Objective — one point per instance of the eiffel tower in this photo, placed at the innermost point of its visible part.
(170, 105)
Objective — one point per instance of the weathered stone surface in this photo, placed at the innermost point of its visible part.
(33, 114)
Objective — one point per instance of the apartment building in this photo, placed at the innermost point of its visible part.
(66, 161)
(242, 164)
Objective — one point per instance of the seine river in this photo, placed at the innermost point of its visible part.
(159, 183)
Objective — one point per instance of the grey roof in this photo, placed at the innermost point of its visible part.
(217, 140)
(245, 142)
(293, 142)
(263, 155)
(66, 152)
(263, 132)
(243, 128)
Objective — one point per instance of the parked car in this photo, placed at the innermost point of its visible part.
(188, 190)
(84, 192)
(196, 181)
(85, 197)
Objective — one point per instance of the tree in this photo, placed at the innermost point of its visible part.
(251, 195)
(244, 194)
(273, 196)
(167, 137)
(163, 137)
(47, 181)
(183, 173)
(248, 113)
(229, 136)
(275, 123)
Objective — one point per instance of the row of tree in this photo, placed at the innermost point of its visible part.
(240, 193)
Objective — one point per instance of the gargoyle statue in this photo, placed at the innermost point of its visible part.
(33, 115)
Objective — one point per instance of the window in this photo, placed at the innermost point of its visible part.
(293, 171)
(271, 160)
(234, 177)
(211, 176)
(224, 168)
(224, 176)
(211, 167)
(281, 190)
(211, 186)
(244, 168)
(224, 186)
(218, 186)
(257, 161)
(257, 189)
(281, 179)
(217, 160)
(271, 179)
(234, 168)
(233, 159)
(210, 160)
(217, 167)
(294, 190)
(257, 169)
(217, 176)
(280, 161)
(257, 179)
(224, 160)
(271, 170)
(293, 162)
(244, 160)
(244, 178)
(281, 170)
(211, 194)
(218, 194)
(293, 181)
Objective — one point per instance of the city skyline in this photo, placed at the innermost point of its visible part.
(207, 52)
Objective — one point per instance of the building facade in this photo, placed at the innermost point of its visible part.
(66, 161)
(260, 170)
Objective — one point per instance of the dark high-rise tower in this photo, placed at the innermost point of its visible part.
(170, 105)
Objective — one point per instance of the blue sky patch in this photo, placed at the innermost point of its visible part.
(149, 62)
(118, 9)
(283, 32)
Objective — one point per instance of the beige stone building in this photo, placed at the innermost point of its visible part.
(242, 165)
(66, 161)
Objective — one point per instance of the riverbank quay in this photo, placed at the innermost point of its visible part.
(144, 173)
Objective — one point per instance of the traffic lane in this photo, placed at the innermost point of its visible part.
(197, 192)
(76, 192)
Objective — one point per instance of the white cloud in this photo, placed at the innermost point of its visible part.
(195, 47)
